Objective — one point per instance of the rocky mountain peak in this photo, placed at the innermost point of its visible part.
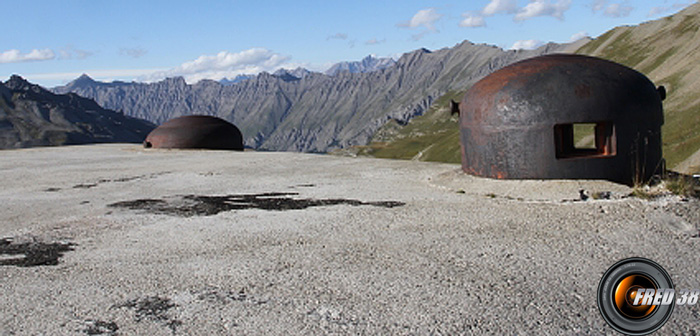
(368, 64)
(84, 81)
(412, 57)
(285, 75)
(178, 81)
(291, 75)
(17, 83)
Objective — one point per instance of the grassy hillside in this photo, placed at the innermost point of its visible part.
(664, 50)
(433, 136)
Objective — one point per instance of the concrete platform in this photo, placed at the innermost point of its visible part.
(115, 239)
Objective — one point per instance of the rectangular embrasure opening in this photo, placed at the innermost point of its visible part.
(581, 140)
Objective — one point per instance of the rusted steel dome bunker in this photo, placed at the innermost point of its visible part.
(196, 131)
(520, 121)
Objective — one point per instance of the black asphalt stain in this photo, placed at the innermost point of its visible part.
(32, 253)
(97, 327)
(194, 205)
(153, 308)
(124, 179)
(309, 185)
(84, 186)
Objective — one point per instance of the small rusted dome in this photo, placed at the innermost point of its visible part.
(196, 131)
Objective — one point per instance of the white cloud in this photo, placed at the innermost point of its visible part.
(338, 36)
(225, 64)
(498, 6)
(598, 5)
(216, 67)
(578, 36)
(15, 56)
(375, 41)
(256, 57)
(424, 18)
(133, 52)
(617, 10)
(526, 44)
(654, 11)
(344, 37)
(70, 52)
(416, 37)
(472, 20)
(543, 8)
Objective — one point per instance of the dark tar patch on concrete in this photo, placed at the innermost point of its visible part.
(194, 205)
(31, 254)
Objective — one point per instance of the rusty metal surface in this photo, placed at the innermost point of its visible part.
(197, 131)
(508, 119)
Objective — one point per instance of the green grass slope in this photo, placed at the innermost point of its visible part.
(433, 136)
(665, 50)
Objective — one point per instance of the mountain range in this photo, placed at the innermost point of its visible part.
(32, 116)
(310, 111)
(367, 64)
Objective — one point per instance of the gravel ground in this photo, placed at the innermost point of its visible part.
(112, 239)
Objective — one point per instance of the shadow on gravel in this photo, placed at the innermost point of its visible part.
(193, 205)
(31, 254)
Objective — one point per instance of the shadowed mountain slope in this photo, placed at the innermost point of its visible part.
(32, 116)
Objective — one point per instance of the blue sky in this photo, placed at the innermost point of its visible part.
(53, 42)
